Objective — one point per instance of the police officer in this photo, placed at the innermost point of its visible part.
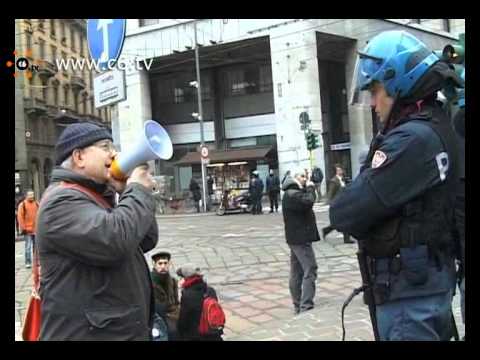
(400, 205)
(459, 125)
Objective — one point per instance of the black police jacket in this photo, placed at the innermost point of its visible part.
(403, 195)
(298, 215)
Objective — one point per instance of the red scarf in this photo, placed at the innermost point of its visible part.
(191, 281)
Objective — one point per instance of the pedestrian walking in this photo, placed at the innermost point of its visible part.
(400, 207)
(317, 178)
(94, 281)
(336, 186)
(196, 193)
(300, 231)
(27, 218)
(273, 190)
(256, 193)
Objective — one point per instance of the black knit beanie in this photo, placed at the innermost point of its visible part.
(78, 136)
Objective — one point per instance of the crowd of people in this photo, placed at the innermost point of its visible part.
(405, 208)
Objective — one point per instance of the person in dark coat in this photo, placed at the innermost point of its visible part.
(194, 289)
(165, 290)
(336, 186)
(317, 178)
(197, 196)
(273, 190)
(300, 231)
(255, 189)
(259, 193)
(94, 280)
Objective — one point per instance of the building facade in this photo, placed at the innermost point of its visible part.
(257, 76)
(46, 99)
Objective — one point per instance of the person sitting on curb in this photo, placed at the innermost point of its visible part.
(165, 291)
(194, 290)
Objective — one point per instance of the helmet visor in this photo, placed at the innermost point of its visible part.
(358, 95)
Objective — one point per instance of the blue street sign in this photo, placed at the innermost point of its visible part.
(105, 40)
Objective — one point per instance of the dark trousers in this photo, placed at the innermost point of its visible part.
(328, 229)
(257, 205)
(273, 195)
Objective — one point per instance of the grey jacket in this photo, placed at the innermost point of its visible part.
(94, 280)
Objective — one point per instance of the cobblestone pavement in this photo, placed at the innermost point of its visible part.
(246, 259)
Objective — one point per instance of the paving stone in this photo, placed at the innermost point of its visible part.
(261, 318)
(247, 312)
(263, 304)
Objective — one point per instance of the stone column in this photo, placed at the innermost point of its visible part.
(296, 88)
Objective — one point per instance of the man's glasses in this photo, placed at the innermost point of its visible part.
(107, 146)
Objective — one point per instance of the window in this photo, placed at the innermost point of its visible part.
(246, 80)
(44, 91)
(63, 33)
(92, 106)
(64, 57)
(266, 78)
(54, 53)
(52, 27)
(84, 102)
(82, 53)
(74, 69)
(178, 96)
(55, 95)
(148, 22)
(66, 100)
(206, 82)
(75, 101)
(446, 25)
(72, 39)
(90, 74)
(29, 41)
(41, 47)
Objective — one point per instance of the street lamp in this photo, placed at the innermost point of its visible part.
(200, 115)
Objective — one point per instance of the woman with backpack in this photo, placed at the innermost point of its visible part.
(201, 317)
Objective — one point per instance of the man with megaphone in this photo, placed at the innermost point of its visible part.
(94, 281)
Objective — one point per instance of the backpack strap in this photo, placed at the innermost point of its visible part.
(90, 193)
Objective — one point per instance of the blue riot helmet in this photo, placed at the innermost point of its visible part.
(396, 59)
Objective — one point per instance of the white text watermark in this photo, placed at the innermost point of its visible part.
(90, 64)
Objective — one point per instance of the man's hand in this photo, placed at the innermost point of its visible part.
(118, 185)
(141, 175)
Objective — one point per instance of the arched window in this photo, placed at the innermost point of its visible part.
(35, 177)
(47, 170)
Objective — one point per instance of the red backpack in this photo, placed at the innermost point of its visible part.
(212, 319)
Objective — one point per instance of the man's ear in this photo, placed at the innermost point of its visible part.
(78, 158)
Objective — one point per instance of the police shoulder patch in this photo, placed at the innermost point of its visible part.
(378, 159)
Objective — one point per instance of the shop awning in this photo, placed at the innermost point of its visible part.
(225, 156)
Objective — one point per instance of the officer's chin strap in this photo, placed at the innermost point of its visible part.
(347, 302)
